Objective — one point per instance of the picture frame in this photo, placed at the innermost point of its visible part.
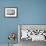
(10, 12)
(41, 28)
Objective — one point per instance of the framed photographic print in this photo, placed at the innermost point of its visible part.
(10, 12)
(33, 32)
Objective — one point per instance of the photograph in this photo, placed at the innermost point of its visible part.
(10, 12)
(32, 32)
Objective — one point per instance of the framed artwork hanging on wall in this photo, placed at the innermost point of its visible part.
(10, 12)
